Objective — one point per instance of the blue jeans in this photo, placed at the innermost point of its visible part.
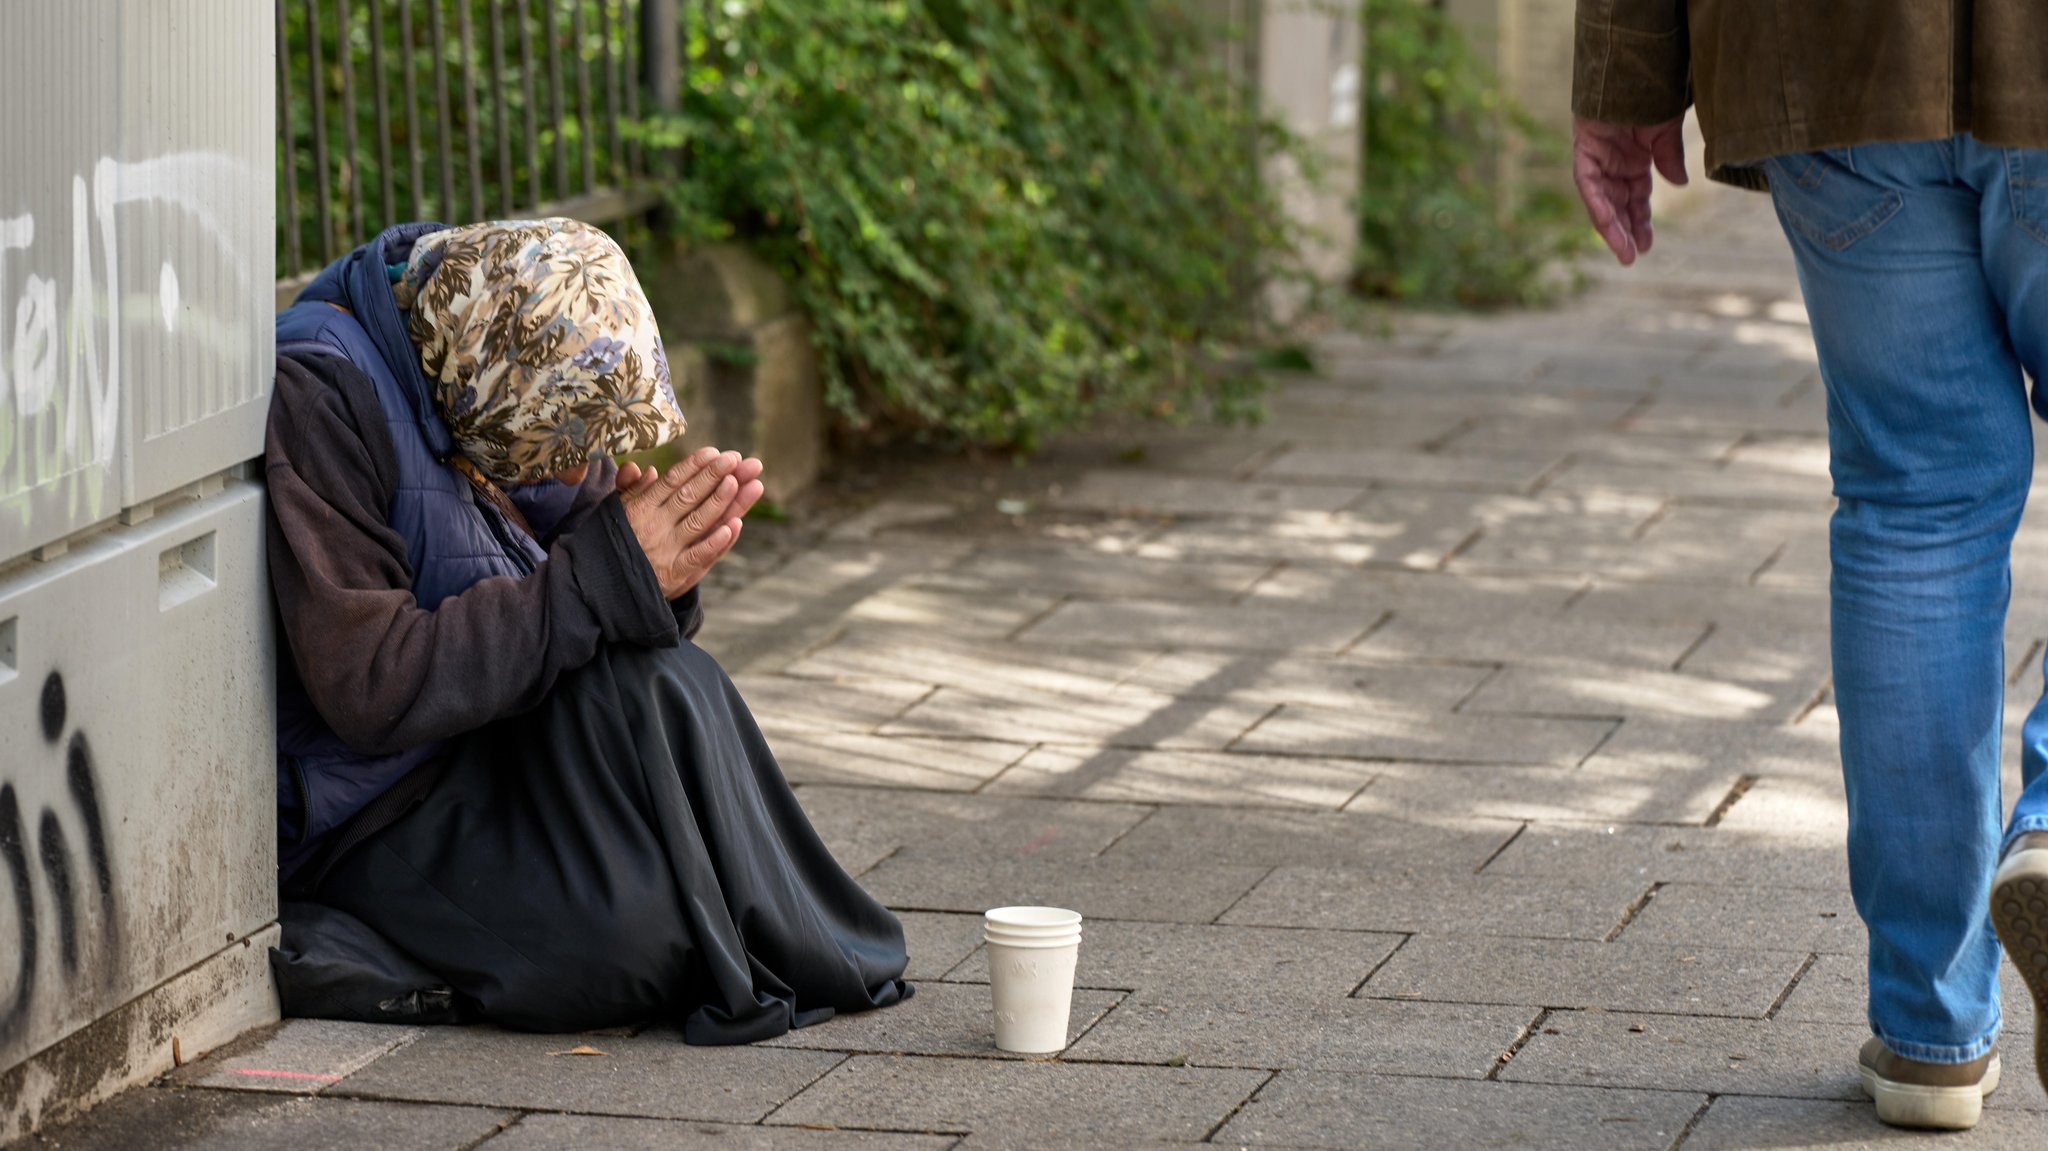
(1925, 271)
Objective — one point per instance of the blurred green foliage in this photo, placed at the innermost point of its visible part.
(1005, 217)
(1436, 226)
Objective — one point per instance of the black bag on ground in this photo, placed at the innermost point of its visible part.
(331, 965)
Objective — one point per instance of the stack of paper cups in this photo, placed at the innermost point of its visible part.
(1031, 952)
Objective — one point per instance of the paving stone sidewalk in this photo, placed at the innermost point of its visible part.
(1446, 762)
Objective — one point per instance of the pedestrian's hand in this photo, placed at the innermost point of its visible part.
(688, 518)
(1611, 165)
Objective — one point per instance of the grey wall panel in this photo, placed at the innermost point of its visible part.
(136, 209)
(137, 774)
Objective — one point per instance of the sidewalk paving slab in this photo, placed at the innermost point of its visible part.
(1097, 888)
(1395, 847)
(948, 1019)
(544, 1132)
(1596, 791)
(295, 1057)
(1711, 855)
(1359, 899)
(1836, 989)
(1785, 919)
(1230, 779)
(1112, 1104)
(204, 1120)
(1329, 1109)
(1559, 973)
(1175, 963)
(1400, 734)
(653, 1074)
(1739, 1123)
(1724, 1057)
(1435, 1039)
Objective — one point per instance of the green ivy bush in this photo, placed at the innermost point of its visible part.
(1434, 226)
(1006, 217)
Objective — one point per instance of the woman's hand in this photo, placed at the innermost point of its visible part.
(688, 519)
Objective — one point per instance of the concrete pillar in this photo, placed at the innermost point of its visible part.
(1528, 44)
(1309, 55)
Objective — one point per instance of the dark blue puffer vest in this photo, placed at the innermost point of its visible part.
(451, 541)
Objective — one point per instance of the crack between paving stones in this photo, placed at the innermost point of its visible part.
(1778, 1004)
(1371, 629)
(1135, 825)
(1242, 1104)
(1811, 705)
(2026, 662)
(1691, 1125)
(1458, 549)
(1384, 960)
(1693, 648)
(893, 853)
(1662, 513)
(1577, 597)
(1606, 1009)
(518, 1117)
(1260, 459)
(1353, 797)
(1530, 1032)
(1458, 431)
(1770, 561)
(1492, 674)
(1635, 412)
(1218, 920)
(1123, 997)
(1550, 474)
(1264, 576)
(1729, 454)
(1030, 749)
(1602, 742)
(1256, 724)
(1798, 390)
(842, 1061)
(1502, 849)
(1735, 793)
(1057, 603)
(1634, 909)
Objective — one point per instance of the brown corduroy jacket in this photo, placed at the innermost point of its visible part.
(1778, 76)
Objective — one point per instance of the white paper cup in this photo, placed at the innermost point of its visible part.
(1031, 954)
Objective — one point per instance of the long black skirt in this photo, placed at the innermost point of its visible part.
(627, 851)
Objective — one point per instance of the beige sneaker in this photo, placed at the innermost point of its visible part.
(1942, 1096)
(2019, 910)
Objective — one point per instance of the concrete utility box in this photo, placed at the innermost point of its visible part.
(137, 737)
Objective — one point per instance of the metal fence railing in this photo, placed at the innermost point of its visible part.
(461, 110)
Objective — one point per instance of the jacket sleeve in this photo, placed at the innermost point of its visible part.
(384, 672)
(598, 485)
(1631, 61)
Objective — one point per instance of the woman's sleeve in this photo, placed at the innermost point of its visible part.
(386, 673)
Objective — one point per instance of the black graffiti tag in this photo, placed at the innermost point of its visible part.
(53, 851)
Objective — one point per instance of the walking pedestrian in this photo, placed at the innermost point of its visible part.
(1902, 142)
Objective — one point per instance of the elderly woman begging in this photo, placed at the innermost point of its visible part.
(510, 788)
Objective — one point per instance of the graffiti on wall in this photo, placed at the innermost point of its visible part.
(80, 878)
(65, 314)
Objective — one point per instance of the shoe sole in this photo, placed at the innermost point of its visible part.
(2019, 913)
(1930, 1108)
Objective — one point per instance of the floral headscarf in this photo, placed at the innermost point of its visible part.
(539, 345)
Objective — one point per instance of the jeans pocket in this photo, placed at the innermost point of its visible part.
(1821, 195)
(2026, 180)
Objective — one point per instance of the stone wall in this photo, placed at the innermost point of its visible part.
(741, 351)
